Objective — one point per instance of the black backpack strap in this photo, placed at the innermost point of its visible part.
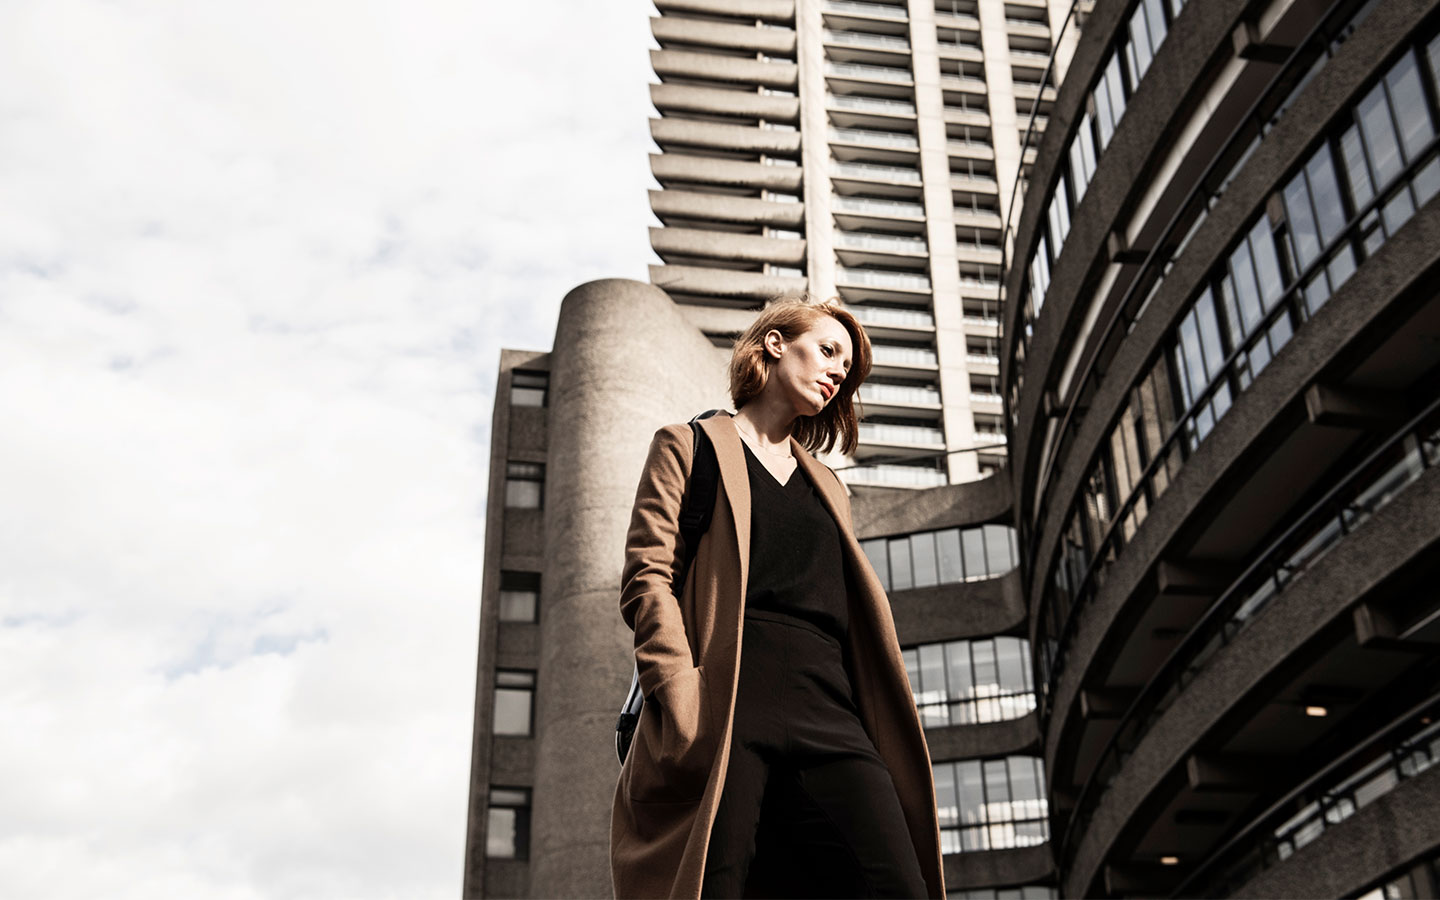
(694, 522)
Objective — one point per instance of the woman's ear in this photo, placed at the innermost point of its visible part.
(774, 343)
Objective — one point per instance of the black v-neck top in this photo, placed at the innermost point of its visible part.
(796, 567)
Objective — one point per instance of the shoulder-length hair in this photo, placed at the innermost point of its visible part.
(750, 368)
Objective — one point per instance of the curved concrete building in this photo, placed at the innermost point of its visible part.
(1221, 375)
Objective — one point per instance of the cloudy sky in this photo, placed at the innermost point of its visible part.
(257, 260)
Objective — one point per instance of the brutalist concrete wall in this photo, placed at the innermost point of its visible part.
(625, 362)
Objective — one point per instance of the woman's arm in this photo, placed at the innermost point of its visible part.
(653, 549)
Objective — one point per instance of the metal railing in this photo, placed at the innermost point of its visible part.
(908, 476)
(900, 434)
(902, 318)
(883, 242)
(1369, 487)
(886, 138)
(876, 278)
(898, 393)
(878, 207)
(871, 9)
(874, 73)
(873, 171)
(865, 39)
(903, 356)
(870, 104)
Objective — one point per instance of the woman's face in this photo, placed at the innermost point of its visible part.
(808, 370)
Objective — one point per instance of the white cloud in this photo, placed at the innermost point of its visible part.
(257, 261)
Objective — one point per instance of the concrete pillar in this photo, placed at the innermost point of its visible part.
(626, 361)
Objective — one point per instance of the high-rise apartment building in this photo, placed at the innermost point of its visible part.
(866, 149)
(1185, 640)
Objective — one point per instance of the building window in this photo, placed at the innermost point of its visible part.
(948, 556)
(514, 702)
(529, 388)
(524, 485)
(507, 833)
(519, 596)
(971, 682)
(991, 804)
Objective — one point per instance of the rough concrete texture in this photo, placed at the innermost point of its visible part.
(714, 67)
(719, 101)
(722, 207)
(1399, 533)
(774, 41)
(951, 612)
(1229, 448)
(880, 512)
(625, 362)
(750, 286)
(1000, 868)
(1389, 833)
(1309, 115)
(1015, 736)
(727, 245)
(770, 10)
(1201, 30)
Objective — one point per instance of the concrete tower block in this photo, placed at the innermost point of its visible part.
(626, 361)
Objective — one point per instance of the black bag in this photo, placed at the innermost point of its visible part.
(694, 522)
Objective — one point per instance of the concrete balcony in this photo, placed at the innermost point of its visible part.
(955, 115)
(974, 184)
(871, 172)
(679, 204)
(866, 39)
(869, 73)
(961, 51)
(717, 67)
(965, 84)
(865, 10)
(865, 206)
(962, 149)
(982, 254)
(957, 21)
(722, 283)
(906, 357)
(672, 132)
(767, 10)
(903, 324)
(719, 102)
(671, 30)
(894, 398)
(967, 218)
(688, 243)
(678, 168)
(900, 251)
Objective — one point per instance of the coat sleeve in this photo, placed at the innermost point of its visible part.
(653, 549)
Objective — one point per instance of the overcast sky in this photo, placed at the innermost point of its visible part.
(257, 260)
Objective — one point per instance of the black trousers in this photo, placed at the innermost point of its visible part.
(808, 808)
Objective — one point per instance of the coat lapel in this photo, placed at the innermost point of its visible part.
(735, 476)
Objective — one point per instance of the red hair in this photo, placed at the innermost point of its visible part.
(750, 368)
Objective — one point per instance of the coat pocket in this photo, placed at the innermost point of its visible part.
(674, 745)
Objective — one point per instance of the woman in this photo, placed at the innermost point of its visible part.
(778, 717)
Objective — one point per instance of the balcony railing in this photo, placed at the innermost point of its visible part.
(901, 434)
(883, 242)
(901, 318)
(868, 9)
(984, 398)
(871, 104)
(903, 356)
(884, 138)
(906, 476)
(875, 278)
(984, 359)
(962, 81)
(878, 207)
(865, 39)
(872, 171)
(874, 73)
(898, 393)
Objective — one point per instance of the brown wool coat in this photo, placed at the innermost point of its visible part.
(688, 655)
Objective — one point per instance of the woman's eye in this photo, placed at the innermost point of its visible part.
(828, 351)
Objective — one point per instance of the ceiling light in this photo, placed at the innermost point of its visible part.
(1318, 712)
(1169, 860)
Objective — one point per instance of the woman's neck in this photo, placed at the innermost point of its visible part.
(768, 422)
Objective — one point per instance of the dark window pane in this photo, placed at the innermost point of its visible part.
(922, 550)
(900, 573)
(952, 568)
(1325, 193)
(879, 559)
(1411, 110)
(997, 550)
(1379, 131)
(1357, 173)
(973, 545)
(1267, 261)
